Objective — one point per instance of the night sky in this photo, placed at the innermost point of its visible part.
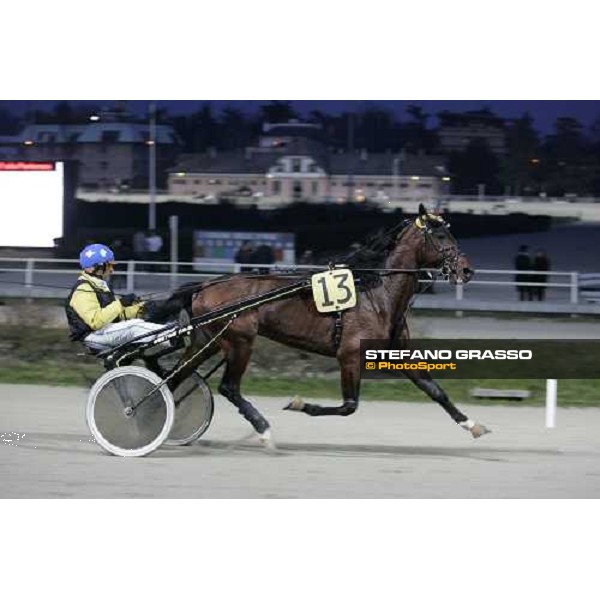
(544, 112)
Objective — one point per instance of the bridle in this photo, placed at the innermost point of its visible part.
(449, 253)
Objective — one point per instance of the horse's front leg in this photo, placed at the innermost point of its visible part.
(349, 360)
(424, 382)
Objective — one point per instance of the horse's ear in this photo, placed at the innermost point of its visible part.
(422, 211)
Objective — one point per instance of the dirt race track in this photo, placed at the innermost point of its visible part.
(386, 450)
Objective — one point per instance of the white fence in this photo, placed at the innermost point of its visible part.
(565, 291)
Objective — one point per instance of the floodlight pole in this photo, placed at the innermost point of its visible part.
(152, 168)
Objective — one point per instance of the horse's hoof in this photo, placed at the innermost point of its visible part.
(296, 404)
(478, 430)
(266, 441)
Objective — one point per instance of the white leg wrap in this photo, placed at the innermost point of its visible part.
(468, 424)
(266, 440)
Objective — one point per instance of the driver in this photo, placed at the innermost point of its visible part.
(95, 316)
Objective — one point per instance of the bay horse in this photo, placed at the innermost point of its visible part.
(382, 305)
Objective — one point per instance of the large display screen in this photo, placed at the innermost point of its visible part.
(31, 196)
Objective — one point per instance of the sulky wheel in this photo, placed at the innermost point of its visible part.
(128, 413)
(194, 409)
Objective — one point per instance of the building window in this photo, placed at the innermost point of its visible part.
(179, 181)
(104, 165)
(315, 187)
(296, 165)
(297, 190)
(277, 187)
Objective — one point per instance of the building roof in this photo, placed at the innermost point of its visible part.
(59, 134)
(256, 161)
(127, 133)
(362, 163)
(124, 133)
(236, 161)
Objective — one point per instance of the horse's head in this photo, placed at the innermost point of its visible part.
(438, 248)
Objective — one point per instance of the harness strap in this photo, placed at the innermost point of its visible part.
(337, 329)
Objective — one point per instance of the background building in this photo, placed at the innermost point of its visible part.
(111, 150)
(291, 163)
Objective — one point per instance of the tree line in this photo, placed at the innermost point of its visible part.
(565, 161)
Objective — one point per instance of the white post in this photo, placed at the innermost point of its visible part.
(459, 291)
(130, 285)
(551, 394)
(395, 179)
(481, 191)
(574, 287)
(174, 231)
(29, 268)
(459, 297)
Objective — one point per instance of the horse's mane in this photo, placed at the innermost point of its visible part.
(373, 252)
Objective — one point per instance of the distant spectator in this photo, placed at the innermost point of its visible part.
(154, 244)
(523, 263)
(119, 280)
(541, 262)
(307, 258)
(139, 245)
(245, 256)
(125, 252)
(263, 255)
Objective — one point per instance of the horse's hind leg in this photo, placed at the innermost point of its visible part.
(424, 382)
(350, 379)
(238, 356)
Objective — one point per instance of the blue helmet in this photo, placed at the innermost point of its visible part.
(95, 254)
